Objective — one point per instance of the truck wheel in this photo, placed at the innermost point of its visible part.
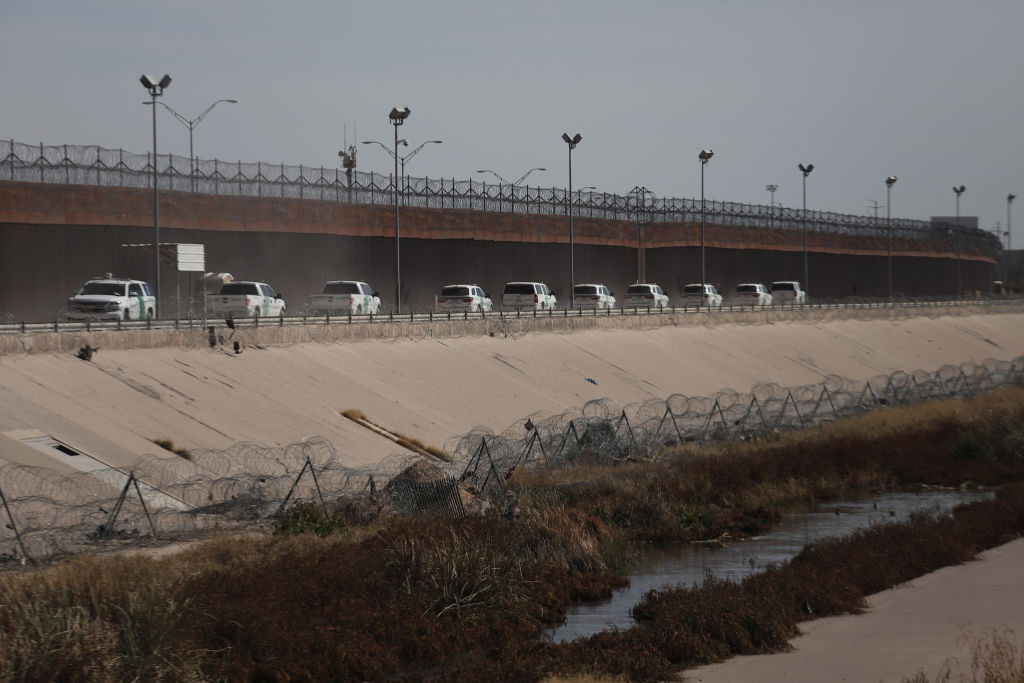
(149, 313)
(127, 314)
(359, 309)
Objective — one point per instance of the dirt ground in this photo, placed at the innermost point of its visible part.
(924, 625)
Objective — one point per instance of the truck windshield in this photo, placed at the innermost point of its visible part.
(104, 288)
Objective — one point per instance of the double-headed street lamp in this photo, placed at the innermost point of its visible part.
(889, 182)
(806, 170)
(191, 124)
(156, 89)
(959, 190)
(572, 142)
(704, 156)
(512, 186)
(403, 159)
(398, 115)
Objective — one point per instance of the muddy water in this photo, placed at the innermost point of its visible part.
(689, 565)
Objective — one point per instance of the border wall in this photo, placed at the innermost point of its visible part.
(54, 237)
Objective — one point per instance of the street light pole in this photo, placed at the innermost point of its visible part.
(1009, 231)
(806, 170)
(191, 124)
(572, 142)
(959, 190)
(642, 192)
(156, 89)
(398, 116)
(704, 157)
(512, 186)
(889, 182)
(771, 209)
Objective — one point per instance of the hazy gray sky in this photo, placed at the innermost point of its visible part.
(928, 90)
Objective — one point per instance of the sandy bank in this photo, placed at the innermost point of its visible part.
(918, 625)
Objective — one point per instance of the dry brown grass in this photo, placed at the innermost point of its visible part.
(996, 657)
(167, 444)
(354, 414)
(97, 619)
(409, 442)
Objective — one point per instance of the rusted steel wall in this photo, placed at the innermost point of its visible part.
(54, 237)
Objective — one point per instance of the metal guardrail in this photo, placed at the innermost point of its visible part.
(25, 327)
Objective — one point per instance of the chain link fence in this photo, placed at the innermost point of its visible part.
(46, 512)
(94, 165)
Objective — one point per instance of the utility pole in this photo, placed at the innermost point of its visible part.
(875, 204)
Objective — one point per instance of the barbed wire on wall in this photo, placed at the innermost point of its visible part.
(47, 513)
(94, 165)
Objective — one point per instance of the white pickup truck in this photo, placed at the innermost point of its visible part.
(345, 296)
(112, 298)
(245, 300)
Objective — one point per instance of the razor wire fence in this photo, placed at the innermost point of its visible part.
(95, 165)
(48, 513)
(604, 431)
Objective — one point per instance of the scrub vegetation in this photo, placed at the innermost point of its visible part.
(996, 657)
(349, 594)
(168, 445)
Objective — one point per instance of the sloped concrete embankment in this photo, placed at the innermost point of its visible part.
(271, 333)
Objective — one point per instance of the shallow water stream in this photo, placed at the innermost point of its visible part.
(690, 564)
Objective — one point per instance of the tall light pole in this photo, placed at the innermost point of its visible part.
(889, 182)
(771, 208)
(156, 89)
(641, 192)
(572, 142)
(1009, 231)
(398, 116)
(512, 186)
(806, 170)
(704, 156)
(191, 124)
(959, 190)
